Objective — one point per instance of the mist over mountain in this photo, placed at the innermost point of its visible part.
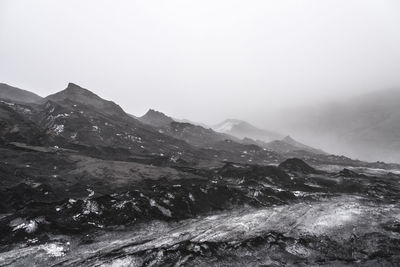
(83, 183)
(288, 144)
(242, 129)
(199, 133)
(365, 127)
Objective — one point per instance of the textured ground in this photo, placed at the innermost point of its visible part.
(233, 215)
(337, 231)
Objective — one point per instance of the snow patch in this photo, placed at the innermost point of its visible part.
(91, 192)
(58, 128)
(91, 206)
(163, 210)
(29, 226)
(62, 115)
(54, 250)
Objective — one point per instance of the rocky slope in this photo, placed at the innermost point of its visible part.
(15, 94)
(85, 184)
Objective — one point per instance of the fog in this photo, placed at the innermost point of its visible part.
(203, 60)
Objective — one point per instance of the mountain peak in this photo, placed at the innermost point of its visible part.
(153, 112)
(75, 93)
(74, 89)
(288, 139)
(156, 118)
(80, 95)
(73, 85)
(227, 125)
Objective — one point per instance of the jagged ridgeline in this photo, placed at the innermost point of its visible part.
(83, 183)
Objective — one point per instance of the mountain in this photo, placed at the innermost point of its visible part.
(192, 122)
(85, 184)
(83, 118)
(155, 118)
(193, 134)
(78, 95)
(242, 129)
(196, 135)
(76, 118)
(366, 127)
(159, 119)
(15, 94)
(288, 144)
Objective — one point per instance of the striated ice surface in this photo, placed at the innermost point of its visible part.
(337, 220)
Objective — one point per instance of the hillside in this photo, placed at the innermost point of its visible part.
(15, 94)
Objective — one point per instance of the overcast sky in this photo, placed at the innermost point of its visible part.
(203, 60)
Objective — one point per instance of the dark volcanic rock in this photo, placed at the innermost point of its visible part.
(252, 171)
(15, 125)
(348, 173)
(297, 165)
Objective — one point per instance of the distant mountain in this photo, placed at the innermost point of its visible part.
(367, 127)
(155, 118)
(193, 134)
(242, 129)
(197, 135)
(192, 122)
(78, 95)
(200, 136)
(76, 170)
(76, 118)
(285, 146)
(15, 94)
(288, 144)
(79, 120)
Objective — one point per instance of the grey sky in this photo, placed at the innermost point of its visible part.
(203, 60)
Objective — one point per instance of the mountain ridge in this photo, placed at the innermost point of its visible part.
(155, 118)
(8, 92)
(242, 129)
(78, 94)
(71, 119)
